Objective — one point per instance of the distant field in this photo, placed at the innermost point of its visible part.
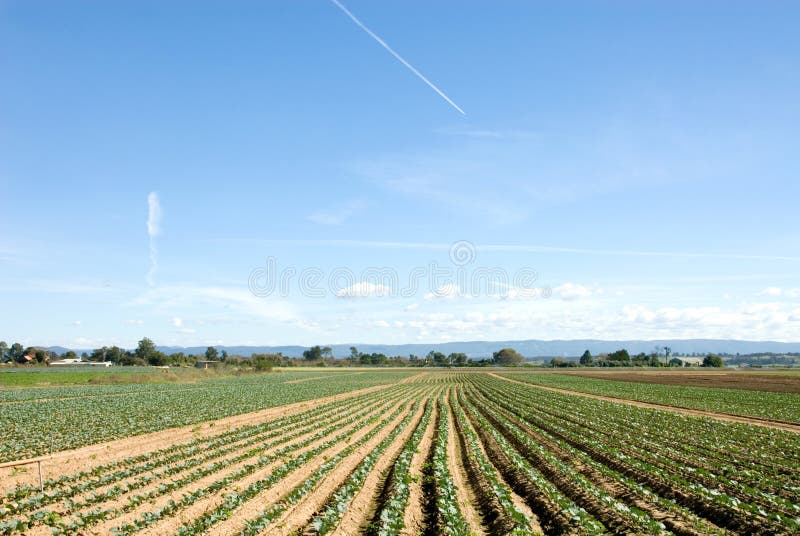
(778, 381)
(36, 420)
(755, 403)
(420, 452)
(29, 377)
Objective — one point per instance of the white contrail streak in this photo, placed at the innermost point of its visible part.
(398, 56)
(153, 229)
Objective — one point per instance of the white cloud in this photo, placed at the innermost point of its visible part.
(134, 322)
(380, 324)
(411, 307)
(76, 323)
(572, 291)
(363, 290)
(177, 322)
(448, 291)
(771, 291)
(153, 230)
(776, 292)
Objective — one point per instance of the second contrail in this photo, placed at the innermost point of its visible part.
(398, 56)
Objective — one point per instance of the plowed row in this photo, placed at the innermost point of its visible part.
(446, 453)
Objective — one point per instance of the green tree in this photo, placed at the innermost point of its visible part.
(98, 354)
(354, 355)
(713, 361)
(313, 354)
(327, 352)
(16, 352)
(437, 358)
(115, 354)
(145, 350)
(69, 354)
(458, 359)
(586, 358)
(507, 356)
(620, 356)
(3, 351)
(157, 359)
(224, 355)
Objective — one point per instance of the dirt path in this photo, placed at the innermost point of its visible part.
(84, 458)
(664, 407)
(466, 496)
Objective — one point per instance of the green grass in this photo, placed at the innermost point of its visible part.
(78, 376)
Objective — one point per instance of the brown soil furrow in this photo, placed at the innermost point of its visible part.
(467, 498)
(171, 524)
(83, 459)
(778, 425)
(273, 494)
(362, 507)
(414, 519)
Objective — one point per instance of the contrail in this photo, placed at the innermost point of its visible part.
(398, 56)
(153, 229)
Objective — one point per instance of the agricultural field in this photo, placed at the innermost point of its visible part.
(431, 452)
(41, 420)
(761, 404)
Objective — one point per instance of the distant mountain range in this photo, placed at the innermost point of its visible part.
(531, 348)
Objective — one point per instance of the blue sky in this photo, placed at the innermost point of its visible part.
(641, 158)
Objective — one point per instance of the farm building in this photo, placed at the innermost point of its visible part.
(79, 363)
(206, 364)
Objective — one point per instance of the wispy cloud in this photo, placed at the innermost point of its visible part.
(337, 215)
(521, 248)
(153, 230)
(397, 56)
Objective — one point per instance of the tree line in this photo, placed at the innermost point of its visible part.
(146, 353)
(622, 358)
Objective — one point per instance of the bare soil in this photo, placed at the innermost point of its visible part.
(749, 381)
